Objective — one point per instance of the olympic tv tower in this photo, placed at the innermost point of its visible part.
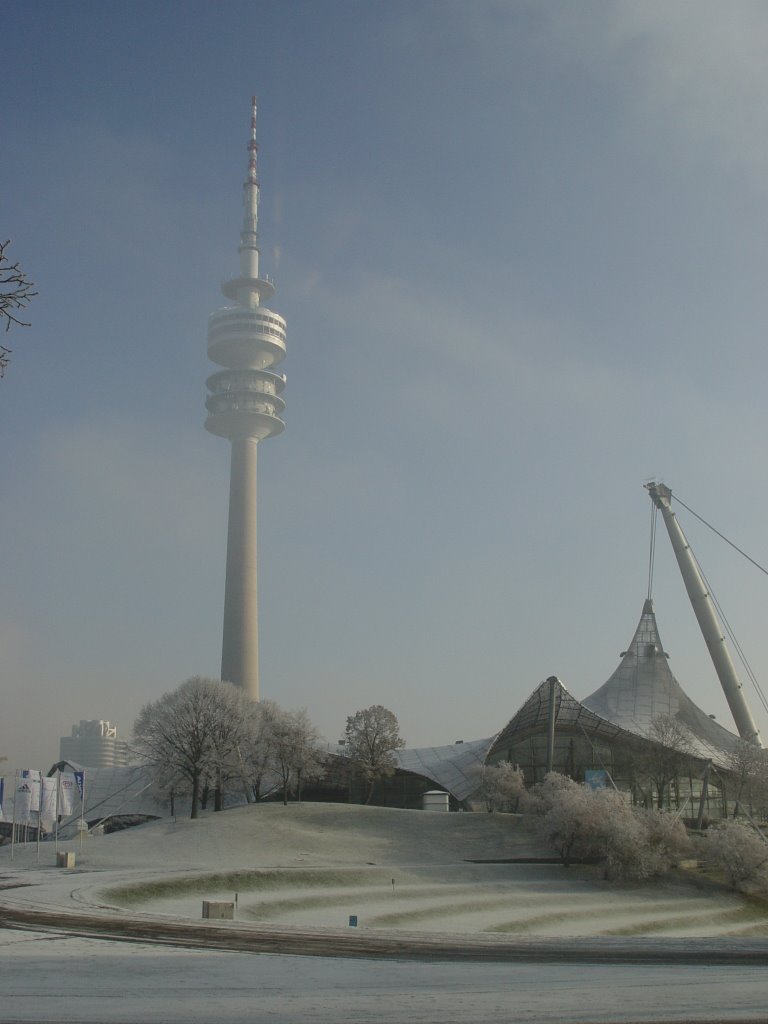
(244, 405)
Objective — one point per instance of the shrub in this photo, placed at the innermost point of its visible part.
(578, 822)
(503, 786)
(740, 852)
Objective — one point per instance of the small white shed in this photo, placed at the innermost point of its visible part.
(435, 800)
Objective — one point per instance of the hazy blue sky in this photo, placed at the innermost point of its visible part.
(521, 248)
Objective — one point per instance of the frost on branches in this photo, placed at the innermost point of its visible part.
(583, 824)
(502, 787)
(192, 736)
(749, 765)
(208, 736)
(741, 853)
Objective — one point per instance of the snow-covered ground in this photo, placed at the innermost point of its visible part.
(314, 865)
(311, 866)
(69, 980)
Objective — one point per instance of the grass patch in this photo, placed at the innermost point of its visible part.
(362, 896)
(586, 911)
(743, 917)
(527, 924)
(429, 913)
(135, 893)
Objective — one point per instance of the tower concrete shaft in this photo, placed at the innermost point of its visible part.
(244, 405)
(240, 644)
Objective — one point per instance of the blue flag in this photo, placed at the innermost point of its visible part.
(79, 776)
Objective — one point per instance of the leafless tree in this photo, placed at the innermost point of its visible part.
(373, 735)
(310, 759)
(191, 731)
(258, 750)
(16, 292)
(295, 749)
(168, 787)
(229, 732)
(749, 765)
(659, 761)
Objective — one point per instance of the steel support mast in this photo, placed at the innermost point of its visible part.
(706, 615)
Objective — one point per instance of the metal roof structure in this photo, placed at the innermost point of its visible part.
(643, 687)
(457, 768)
(126, 790)
(533, 716)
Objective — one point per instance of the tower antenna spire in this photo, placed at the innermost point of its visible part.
(253, 148)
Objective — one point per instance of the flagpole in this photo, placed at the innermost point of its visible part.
(39, 816)
(56, 822)
(82, 811)
(15, 795)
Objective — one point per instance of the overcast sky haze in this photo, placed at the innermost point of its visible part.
(521, 248)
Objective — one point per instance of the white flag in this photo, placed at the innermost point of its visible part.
(48, 805)
(66, 794)
(27, 799)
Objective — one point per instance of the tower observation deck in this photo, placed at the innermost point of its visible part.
(245, 405)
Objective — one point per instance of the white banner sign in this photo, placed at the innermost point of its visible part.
(48, 806)
(66, 795)
(27, 800)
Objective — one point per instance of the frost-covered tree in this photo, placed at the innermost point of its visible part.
(259, 747)
(229, 733)
(566, 813)
(749, 765)
(633, 842)
(618, 836)
(502, 786)
(296, 750)
(309, 758)
(667, 839)
(740, 852)
(540, 797)
(578, 822)
(372, 736)
(168, 787)
(192, 732)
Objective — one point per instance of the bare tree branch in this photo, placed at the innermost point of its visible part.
(16, 292)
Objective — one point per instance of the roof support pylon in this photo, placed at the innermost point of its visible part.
(706, 615)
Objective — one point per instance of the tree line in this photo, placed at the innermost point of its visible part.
(207, 737)
(630, 841)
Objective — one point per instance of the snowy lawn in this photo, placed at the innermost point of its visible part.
(314, 865)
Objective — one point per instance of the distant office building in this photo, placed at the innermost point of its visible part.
(94, 744)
